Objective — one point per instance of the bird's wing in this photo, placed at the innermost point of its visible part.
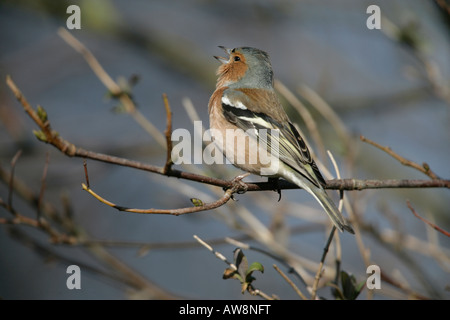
(247, 111)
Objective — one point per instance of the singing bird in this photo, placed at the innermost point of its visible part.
(246, 104)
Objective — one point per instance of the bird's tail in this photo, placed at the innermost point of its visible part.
(331, 209)
(319, 194)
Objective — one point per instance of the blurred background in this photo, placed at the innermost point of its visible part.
(390, 85)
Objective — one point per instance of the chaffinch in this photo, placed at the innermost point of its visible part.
(245, 112)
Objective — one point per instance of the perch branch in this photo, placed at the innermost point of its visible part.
(47, 135)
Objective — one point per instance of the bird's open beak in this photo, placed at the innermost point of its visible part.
(222, 59)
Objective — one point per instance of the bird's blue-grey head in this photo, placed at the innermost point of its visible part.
(258, 72)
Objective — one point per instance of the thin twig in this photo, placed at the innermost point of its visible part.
(11, 178)
(112, 86)
(42, 224)
(257, 292)
(121, 271)
(322, 261)
(91, 60)
(327, 112)
(338, 175)
(43, 186)
(250, 288)
(445, 6)
(446, 233)
(267, 253)
(289, 281)
(86, 175)
(168, 134)
(341, 205)
(425, 168)
(216, 253)
(237, 187)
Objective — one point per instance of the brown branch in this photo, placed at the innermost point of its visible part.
(237, 187)
(43, 185)
(356, 184)
(120, 271)
(443, 5)
(424, 168)
(322, 261)
(40, 118)
(55, 236)
(411, 294)
(92, 61)
(39, 222)
(168, 134)
(47, 135)
(290, 282)
(426, 221)
(86, 175)
(176, 212)
(197, 208)
(113, 87)
(233, 267)
(11, 178)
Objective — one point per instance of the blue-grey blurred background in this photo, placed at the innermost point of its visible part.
(390, 85)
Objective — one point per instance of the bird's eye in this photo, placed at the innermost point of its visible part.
(236, 58)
